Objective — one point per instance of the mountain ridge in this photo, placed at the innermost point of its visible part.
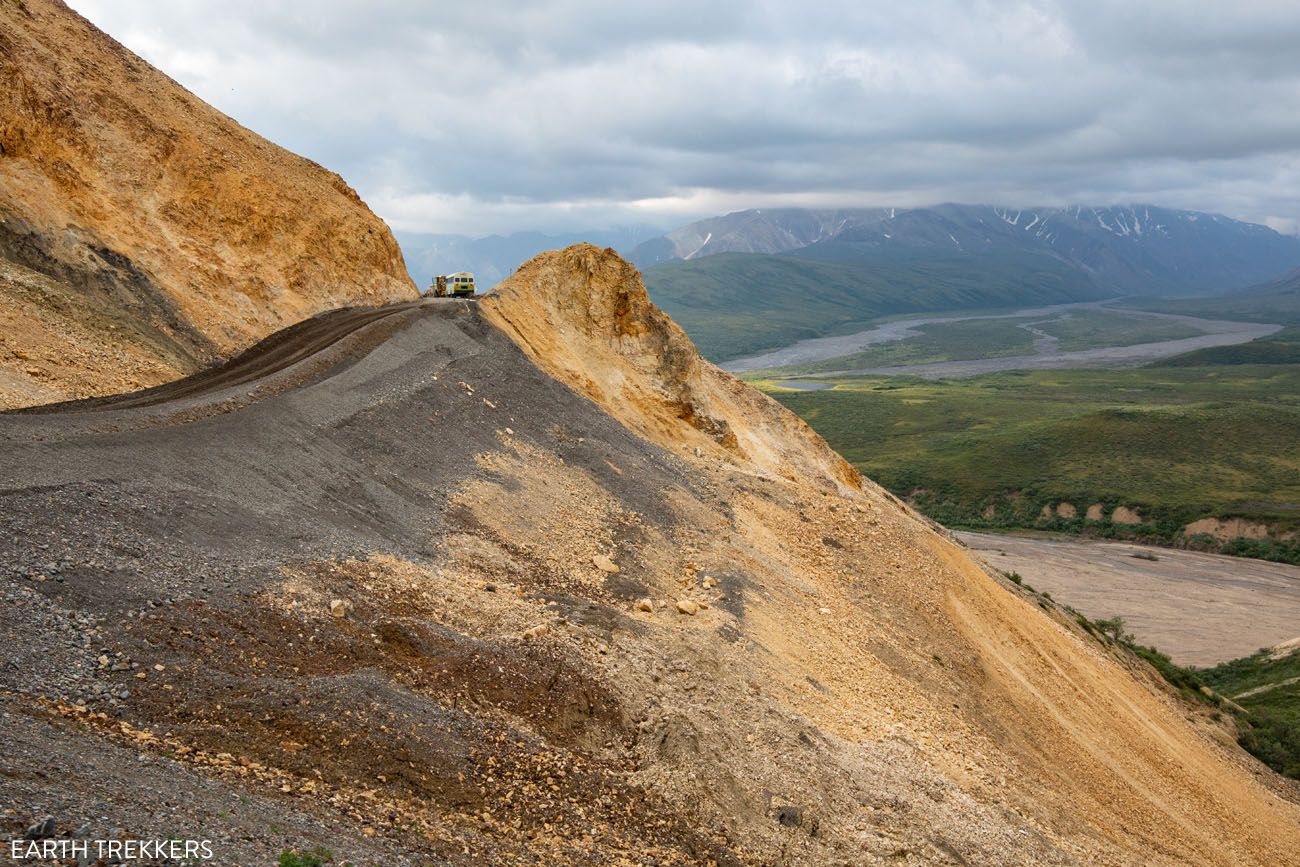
(1137, 249)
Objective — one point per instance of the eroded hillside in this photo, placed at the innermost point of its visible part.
(142, 232)
(484, 583)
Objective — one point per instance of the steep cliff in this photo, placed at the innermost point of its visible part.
(142, 232)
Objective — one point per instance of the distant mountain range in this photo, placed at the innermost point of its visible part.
(1136, 249)
(755, 280)
(495, 257)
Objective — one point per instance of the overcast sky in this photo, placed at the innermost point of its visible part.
(489, 116)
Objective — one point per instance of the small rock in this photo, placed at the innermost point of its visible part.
(823, 611)
(103, 662)
(790, 816)
(710, 581)
(604, 564)
(537, 631)
(489, 588)
(686, 606)
(42, 830)
(340, 607)
(645, 604)
(159, 667)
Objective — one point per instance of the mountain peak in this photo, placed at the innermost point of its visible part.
(583, 315)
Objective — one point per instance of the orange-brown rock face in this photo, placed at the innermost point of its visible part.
(584, 316)
(142, 232)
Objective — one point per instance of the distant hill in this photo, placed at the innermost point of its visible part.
(1276, 300)
(736, 304)
(495, 257)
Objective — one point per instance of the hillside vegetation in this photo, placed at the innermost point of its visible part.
(1267, 685)
(736, 304)
(1172, 445)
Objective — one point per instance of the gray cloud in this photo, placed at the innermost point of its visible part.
(483, 117)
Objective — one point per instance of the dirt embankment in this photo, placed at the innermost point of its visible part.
(142, 232)
(458, 586)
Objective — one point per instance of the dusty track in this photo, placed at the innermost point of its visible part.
(272, 355)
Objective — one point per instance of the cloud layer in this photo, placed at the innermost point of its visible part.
(482, 117)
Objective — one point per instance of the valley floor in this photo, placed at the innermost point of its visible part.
(1201, 609)
(1063, 336)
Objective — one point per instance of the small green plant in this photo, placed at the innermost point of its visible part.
(1014, 577)
(1113, 627)
(315, 858)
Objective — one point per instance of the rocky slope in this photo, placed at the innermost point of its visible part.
(527, 579)
(142, 232)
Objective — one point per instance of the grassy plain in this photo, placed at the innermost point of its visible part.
(1173, 443)
(1089, 329)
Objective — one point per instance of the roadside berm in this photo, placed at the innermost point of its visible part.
(528, 579)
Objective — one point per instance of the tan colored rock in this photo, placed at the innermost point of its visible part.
(536, 631)
(710, 581)
(1125, 515)
(583, 315)
(604, 564)
(145, 232)
(687, 606)
(340, 607)
(645, 604)
(1227, 530)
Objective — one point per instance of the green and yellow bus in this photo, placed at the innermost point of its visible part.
(458, 285)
